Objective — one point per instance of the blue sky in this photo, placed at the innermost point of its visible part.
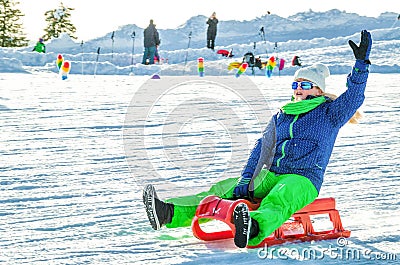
(96, 18)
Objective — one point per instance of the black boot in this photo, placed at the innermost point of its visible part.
(246, 227)
(158, 212)
(242, 222)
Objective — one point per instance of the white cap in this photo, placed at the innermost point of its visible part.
(316, 73)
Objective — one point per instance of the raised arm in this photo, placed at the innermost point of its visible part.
(344, 107)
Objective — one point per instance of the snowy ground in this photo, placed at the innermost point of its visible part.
(71, 189)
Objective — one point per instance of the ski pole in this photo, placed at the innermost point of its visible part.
(394, 24)
(398, 18)
(133, 48)
(97, 60)
(112, 45)
(82, 56)
(262, 35)
(187, 51)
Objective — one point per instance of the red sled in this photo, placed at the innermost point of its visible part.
(225, 53)
(299, 228)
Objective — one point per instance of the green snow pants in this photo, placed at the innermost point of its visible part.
(282, 196)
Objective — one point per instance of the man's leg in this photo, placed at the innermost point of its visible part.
(152, 52)
(145, 55)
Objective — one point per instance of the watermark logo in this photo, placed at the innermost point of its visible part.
(341, 251)
(185, 130)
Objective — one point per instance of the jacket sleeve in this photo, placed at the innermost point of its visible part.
(157, 37)
(262, 153)
(343, 108)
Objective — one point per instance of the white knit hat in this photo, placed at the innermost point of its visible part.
(316, 73)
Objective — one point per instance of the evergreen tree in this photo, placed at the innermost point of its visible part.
(11, 32)
(58, 21)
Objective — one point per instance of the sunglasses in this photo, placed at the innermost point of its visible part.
(304, 85)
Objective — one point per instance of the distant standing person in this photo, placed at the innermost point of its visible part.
(151, 42)
(40, 46)
(212, 31)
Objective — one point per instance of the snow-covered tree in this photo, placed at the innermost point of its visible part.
(11, 31)
(59, 21)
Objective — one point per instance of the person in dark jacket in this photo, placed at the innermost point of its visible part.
(286, 167)
(151, 42)
(212, 31)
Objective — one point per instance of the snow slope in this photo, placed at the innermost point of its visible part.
(71, 187)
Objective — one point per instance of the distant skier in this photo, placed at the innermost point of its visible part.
(212, 31)
(40, 46)
(151, 42)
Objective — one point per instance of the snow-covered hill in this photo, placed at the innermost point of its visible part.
(302, 26)
(314, 36)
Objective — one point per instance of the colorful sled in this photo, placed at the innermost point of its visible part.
(225, 53)
(234, 65)
(298, 228)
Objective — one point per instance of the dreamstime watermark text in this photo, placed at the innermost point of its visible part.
(340, 251)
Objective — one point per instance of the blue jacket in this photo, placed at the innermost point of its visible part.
(304, 142)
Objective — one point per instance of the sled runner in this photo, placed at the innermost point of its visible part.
(298, 228)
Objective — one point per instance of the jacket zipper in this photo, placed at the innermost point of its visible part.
(285, 142)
